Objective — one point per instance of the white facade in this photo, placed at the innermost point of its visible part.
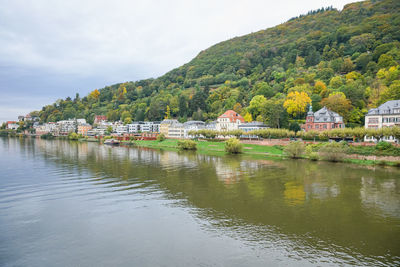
(176, 130)
(81, 121)
(12, 126)
(192, 126)
(134, 127)
(121, 129)
(144, 126)
(96, 132)
(386, 115)
(66, 126)
(229, 121)
(224, 124)
(251, 126)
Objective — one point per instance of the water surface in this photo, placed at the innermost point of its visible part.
(83, 204)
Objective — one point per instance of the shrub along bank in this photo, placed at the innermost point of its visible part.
(327, 151)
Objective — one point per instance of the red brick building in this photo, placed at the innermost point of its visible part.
(323, 119)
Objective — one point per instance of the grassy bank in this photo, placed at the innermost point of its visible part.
(215, 147)
(258, 151)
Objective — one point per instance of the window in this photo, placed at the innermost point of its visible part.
(372, 120)
(317, 126)
(324, 126)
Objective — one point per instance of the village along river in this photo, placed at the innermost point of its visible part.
(84, 204)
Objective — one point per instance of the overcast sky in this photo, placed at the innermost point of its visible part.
(53, 49)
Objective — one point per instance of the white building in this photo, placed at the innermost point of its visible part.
(192, 126)
(50, 127)
(251, 126)
(12, 125)
(386, 115)
(66, 126)
(104, 125)
(96, 132)
(81, 121)
(153, 127)
(211, 125)
(229, 121)
(144, 126)
(121, 129)
(176, 130)
(135, 127)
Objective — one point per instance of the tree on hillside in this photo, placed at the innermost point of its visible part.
(182, 105)
(337, 102)
(167, 113)
(274, 112)
(256, 105)
(296, 103)
(94, 95)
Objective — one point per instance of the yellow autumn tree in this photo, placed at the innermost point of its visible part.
(94, 94)
(122, 91)
(296, 103)
(319, 87)
(168, 113)
(248, 117)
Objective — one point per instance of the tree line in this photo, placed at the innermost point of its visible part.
(357, 134)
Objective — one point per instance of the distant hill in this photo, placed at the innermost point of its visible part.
(346, 60)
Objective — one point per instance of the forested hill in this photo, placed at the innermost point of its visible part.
(346, 60)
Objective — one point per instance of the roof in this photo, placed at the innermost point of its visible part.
(386, 108)
(326, 115)
(232, 115)
(194, 123)
(169, 121)
(253, 124)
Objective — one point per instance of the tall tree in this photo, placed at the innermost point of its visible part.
(296, 103)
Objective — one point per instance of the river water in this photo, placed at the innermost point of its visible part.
(84, 204)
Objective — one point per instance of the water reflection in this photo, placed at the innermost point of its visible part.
(317, 212)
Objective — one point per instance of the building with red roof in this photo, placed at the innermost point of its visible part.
(228, 121)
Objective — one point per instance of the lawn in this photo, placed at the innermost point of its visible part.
(205, 146)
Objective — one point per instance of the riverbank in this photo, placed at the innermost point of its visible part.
(214, 147)
(357, 154)
(210, 147)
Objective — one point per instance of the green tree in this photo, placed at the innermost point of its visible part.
(127, 120)
(183, 108)
(256, 105)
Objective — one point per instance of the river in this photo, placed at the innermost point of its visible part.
(83, 204)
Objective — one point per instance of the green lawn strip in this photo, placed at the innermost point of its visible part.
(249, 150)
(214, 146)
